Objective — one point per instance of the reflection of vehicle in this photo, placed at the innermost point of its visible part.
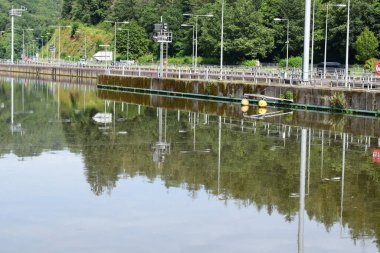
(103, 118)
(331, 67)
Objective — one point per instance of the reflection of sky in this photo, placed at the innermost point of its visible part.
(47, 206)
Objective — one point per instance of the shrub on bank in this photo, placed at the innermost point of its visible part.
(371, 64)
(294, 62)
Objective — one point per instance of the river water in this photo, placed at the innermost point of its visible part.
(171, 175)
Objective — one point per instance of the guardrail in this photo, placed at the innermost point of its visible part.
(232, 73)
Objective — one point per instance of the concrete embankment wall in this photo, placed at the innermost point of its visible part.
(306, 97)
(55, 72)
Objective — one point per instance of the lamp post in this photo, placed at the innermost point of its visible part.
(287, 43)
(327, 15)
(85, 44)
(222, 42)
(196, 33)
(59, 39)
(347, 40)
(23, 40)
(115, 24)
(42, 48)
(192, 54)
(312, 43)
(14, 13)
(105, 46)
(121, 29)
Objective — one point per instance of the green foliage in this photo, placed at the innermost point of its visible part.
(138, 42)
(370, 64)
(74, 29)
(366, 45)
(148, 58)
(249, 63)
(294, 62)
(338, 100)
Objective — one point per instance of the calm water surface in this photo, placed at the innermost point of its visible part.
(155, 179)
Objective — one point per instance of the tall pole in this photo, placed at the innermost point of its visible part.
(85, 46)
(287, 48)
(222, 42)
(312, 44)
(23, 44)
(325, 57)
(128, 47)
(59, 45)
(306, 46)
(348, 40)
(196, 42)
(12, 40)
(193, 62)
(114, 50)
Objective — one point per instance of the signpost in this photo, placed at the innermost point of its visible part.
(376, 155)
(377, 68)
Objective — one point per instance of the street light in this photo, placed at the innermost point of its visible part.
(287, 42)
(85, 44)
(116, 23)
(23, 40)
(105, 46)
(222, 42)
(193, 56)
(196, 32)
(121, 29)
(59, 39)
(348, 40)
(327, 14)
(14, 13)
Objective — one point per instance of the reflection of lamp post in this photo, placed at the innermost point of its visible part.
(196, 33)
(160, 148)
(302, 191)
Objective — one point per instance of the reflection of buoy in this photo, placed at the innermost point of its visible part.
(262, 111)
(263, 103)
(245, 102)
(245, 108)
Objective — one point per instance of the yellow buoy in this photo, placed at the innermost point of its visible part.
(245, 108)
(245, 102)
(262, 111)
(263, 103)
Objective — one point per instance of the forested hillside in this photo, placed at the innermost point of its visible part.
(250, 31)
(39, 15)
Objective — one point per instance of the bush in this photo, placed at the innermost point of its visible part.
(294, 62)
(148, 58)
(371, 64)
(249, 63)
(338, 100)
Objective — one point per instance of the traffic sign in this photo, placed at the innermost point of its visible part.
(377, 70)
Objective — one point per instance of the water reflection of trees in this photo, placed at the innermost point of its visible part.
(252, 171)
(255, 169)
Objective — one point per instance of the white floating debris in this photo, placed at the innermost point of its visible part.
(103, 118)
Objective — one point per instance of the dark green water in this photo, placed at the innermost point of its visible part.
(206, 178)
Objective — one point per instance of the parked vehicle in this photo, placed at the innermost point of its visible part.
(331, 67)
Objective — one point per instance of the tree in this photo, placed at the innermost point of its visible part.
(366, 45)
